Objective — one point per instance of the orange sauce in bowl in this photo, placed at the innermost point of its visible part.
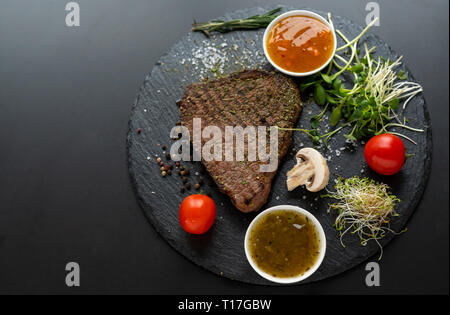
(300, 43)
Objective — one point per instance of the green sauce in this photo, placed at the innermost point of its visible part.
(284, 244)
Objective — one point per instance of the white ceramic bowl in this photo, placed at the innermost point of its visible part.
(302, 13)
(323, 245)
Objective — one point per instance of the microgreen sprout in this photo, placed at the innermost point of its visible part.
(365, 208)
(371, 105)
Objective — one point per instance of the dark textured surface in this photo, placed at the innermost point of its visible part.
(65, 191)
(221, 249)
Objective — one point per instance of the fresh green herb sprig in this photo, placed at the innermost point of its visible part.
(370, 106)
(252, 22)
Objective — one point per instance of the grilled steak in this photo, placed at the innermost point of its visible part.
(248, 98)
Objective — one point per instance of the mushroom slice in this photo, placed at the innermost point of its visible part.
(311, 170)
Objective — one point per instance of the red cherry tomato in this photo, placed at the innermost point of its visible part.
(197, 214)
(385, 154)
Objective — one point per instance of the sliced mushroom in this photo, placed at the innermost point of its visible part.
(311, 170)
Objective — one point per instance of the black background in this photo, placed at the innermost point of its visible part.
(65, 193)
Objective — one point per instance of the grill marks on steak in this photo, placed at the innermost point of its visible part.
(248, 98)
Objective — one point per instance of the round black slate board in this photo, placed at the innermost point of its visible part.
(221, 249)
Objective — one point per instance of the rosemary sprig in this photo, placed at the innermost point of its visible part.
(253, 22)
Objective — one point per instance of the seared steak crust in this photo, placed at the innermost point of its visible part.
(248, 98)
